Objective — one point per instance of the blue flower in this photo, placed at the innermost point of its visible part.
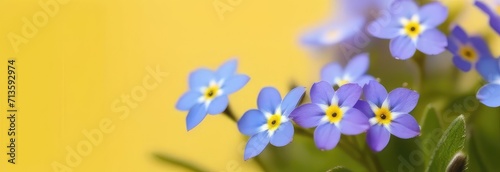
(269, 123)
(466, 50)
(388, 114)
(209, 92)
(332, 112)
(493, 11)
(350, 18)
(354, 72)
(489, 94)
(413, 28)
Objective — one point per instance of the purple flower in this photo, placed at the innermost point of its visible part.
(269, 123)
(354, 72)
(466, 50)
(388, 114)
(493, 11)
(332, 112)
(209, 92)
(412, 28)
(489, 94)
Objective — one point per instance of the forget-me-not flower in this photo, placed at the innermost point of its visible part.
(466, 50)
(388, 114)
(354, 72)
(332, 112)
(413, 28)
(269, 123)
(489, 94)
(209, 90)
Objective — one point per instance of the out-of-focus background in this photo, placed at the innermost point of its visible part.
(115, 69)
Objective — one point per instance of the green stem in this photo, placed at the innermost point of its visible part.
(229, 113)
(261, 164)
(178, 162)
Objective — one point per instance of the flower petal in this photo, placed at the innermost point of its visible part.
(218, 105)
(365, 108)
(256, 145)
(459, 34)
(330, 72)
(495, 23)
(188, 100)
(494, 17)
(405, 126)
(481, 46)
(348, 94)
(354, 122)
(363, 80)
(283, 135)
(227, 69)
(405, 8)
(452, 46)
(377, 137)
(200, 78)
(308, 115)
(357, 66)
(485, 8)
(433, 14)
(432, 42)
(291, 100)
(326, 136)
(251, 121)
(402, 47)
(375, 93)
(462, 64)
(489, 69)
(322, 93)
(402, 100)
(384, 27)
(195, 115)
(234, 83)
(489, 95)
(334, 32)
(269, 100)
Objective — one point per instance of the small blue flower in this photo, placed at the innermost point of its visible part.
(466, 50)
(209, 92)
(350, 18)
(413, 28)
(489, 94)
(269, 123)
(388, 114)
(332, 113)
(493, 11)
(354, 72)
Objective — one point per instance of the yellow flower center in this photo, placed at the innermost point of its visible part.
(211, 92)
(334, 114)
(274, 122)
(412, 29)
(383, 115)
(468, 53)
(342, 82)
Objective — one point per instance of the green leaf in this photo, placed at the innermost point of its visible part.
(176, 161)
(451, 143)
(339, 169)
(431, 132)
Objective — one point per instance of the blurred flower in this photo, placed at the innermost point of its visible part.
(209, 92)
(350, 18)
(493, 11)
(388, 114)
(270, 123)
(466, 50)
(489, 94)
(413, 28)
(332, 112)
(353, 73)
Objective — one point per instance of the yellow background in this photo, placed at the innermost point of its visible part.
(92, 52)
